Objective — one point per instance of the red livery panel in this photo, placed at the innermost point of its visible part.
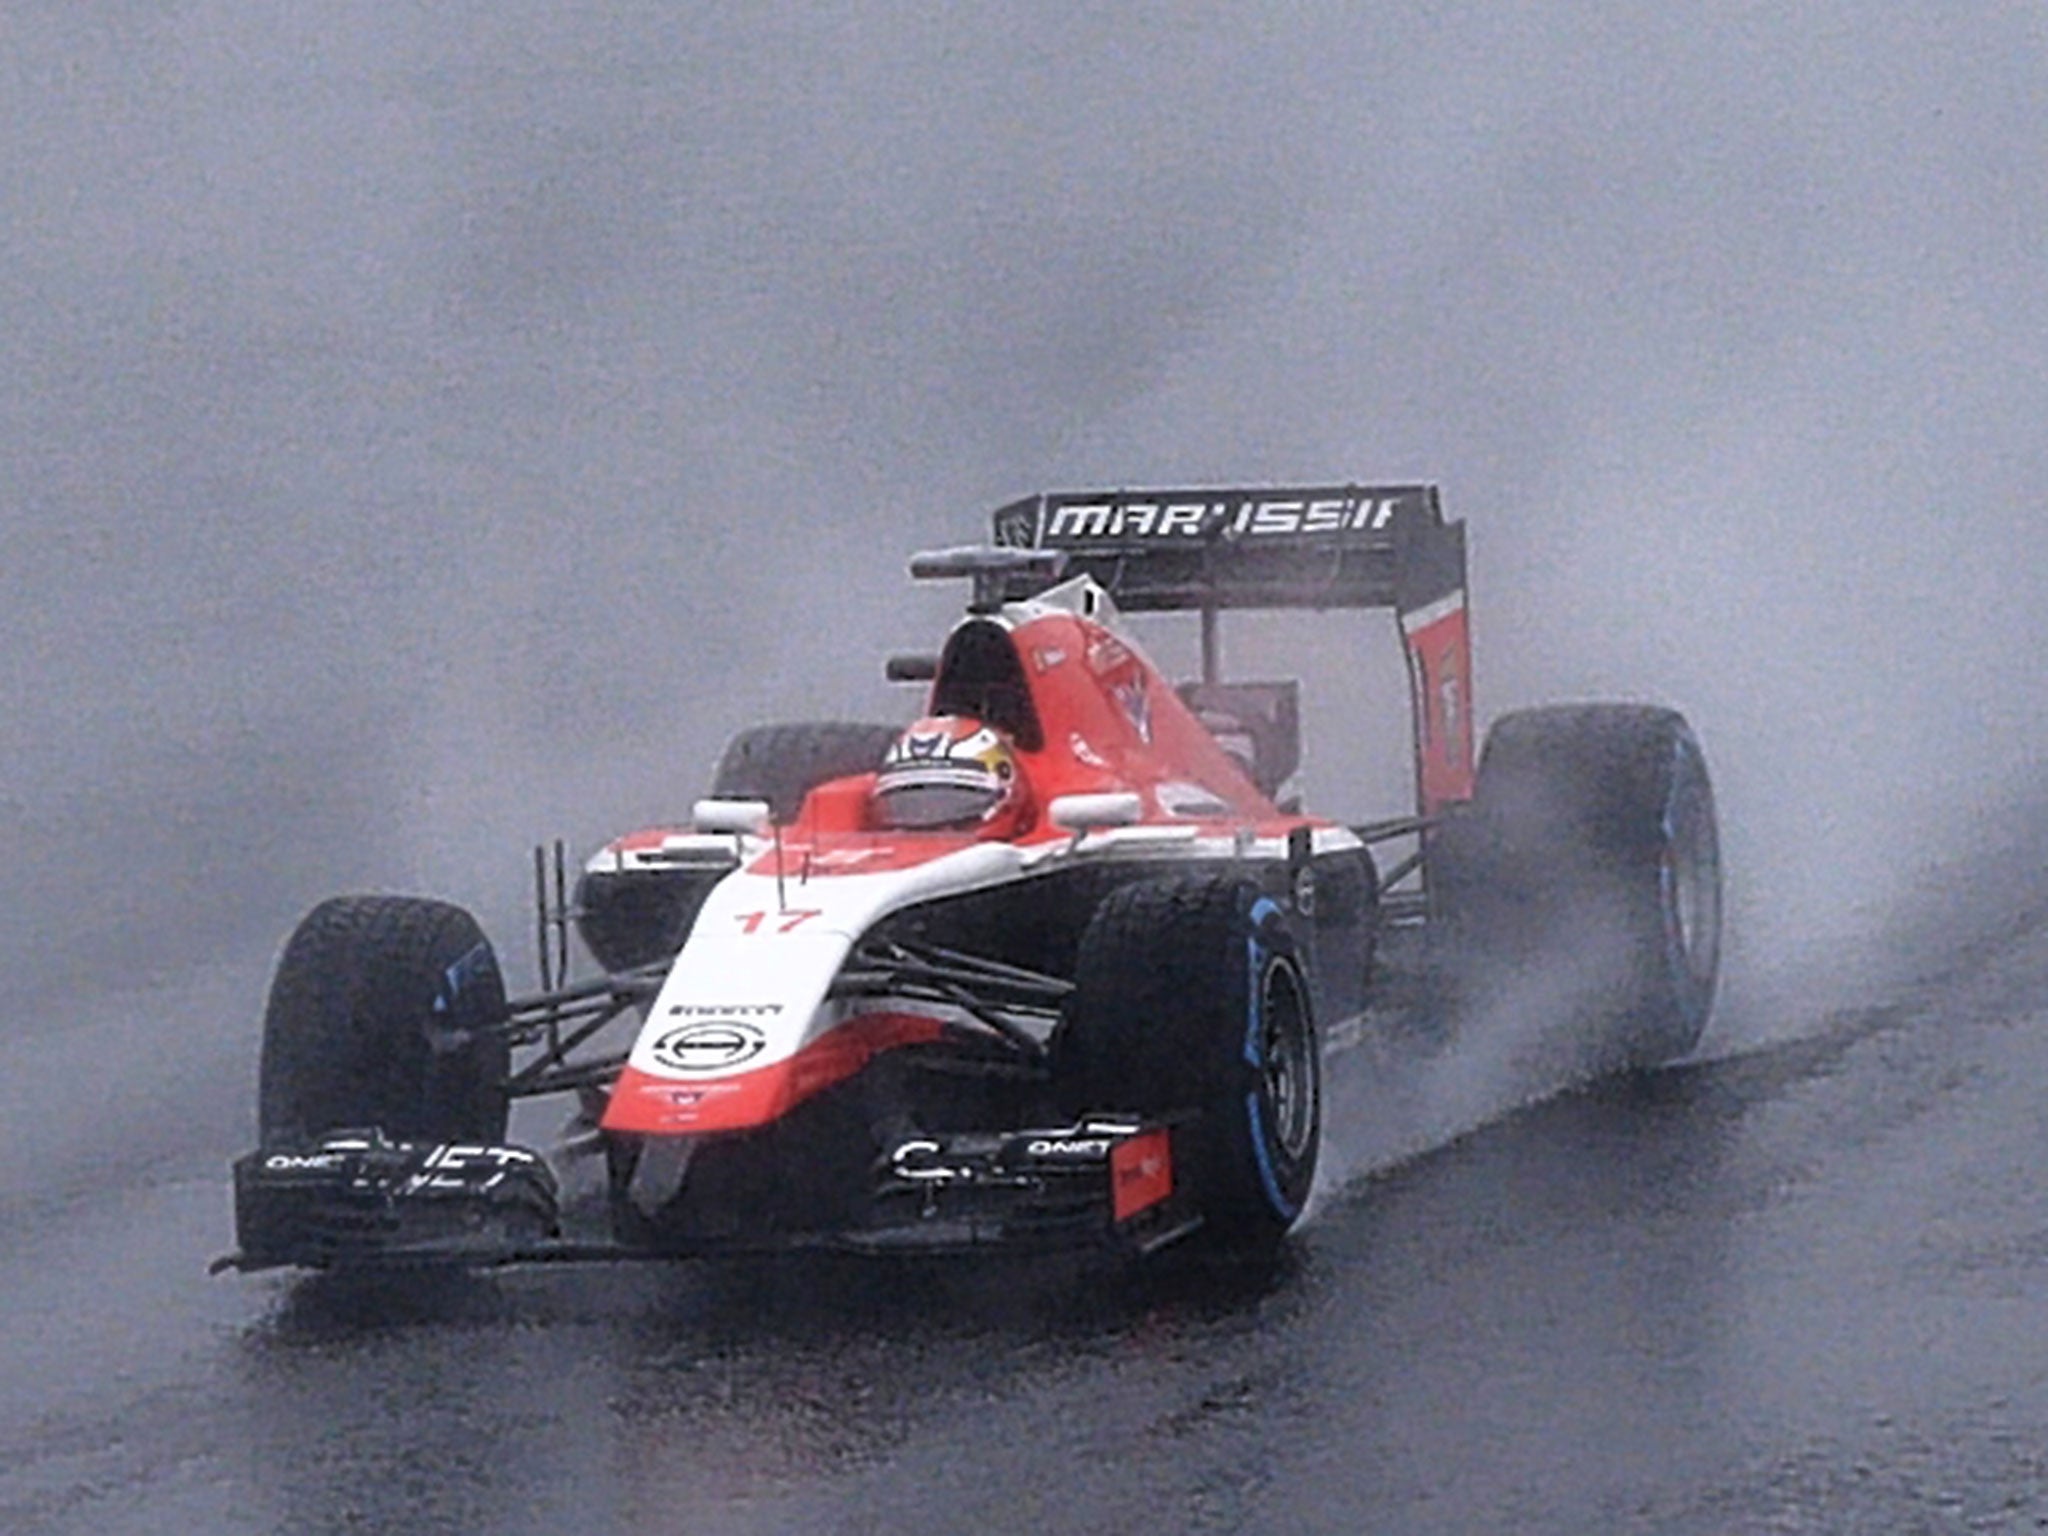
(670, 1106)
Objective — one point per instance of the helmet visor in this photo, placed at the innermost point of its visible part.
(923, 804)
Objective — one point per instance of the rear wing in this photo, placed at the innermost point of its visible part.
(1321, 547)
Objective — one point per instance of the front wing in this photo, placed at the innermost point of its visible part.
(359, 1200)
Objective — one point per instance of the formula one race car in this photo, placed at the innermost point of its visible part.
(1060, 963)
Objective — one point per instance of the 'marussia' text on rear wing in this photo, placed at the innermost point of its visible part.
(1319, 546)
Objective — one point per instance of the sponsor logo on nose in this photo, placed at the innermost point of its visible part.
(708, 1047)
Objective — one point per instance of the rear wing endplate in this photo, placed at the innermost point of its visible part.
(1318, 547)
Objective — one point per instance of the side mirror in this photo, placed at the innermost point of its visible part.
(740, 817)
(1084, 813)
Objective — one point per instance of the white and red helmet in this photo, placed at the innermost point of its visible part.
(950, 773)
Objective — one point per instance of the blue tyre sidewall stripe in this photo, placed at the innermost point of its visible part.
(1685, 987)
(1255, 1057)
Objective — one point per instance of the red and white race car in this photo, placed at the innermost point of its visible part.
(1057, 963)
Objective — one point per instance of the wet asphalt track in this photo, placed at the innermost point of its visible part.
(1804, 1289)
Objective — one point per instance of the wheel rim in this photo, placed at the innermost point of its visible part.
(1287, 1060)
(1693, 873)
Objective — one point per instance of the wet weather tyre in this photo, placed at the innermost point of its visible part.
(1191, 996)
(1591, 849)
(630, 917)
(783, 763)
(383, 1013)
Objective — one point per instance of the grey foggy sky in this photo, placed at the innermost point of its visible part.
(428, 427)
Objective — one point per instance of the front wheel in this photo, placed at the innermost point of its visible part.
(1191, 997)
(384, 1013)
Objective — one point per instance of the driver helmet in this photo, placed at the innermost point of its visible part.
(950, 773)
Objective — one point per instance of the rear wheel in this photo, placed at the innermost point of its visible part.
(783, 763)
(1590, 853)
(383, 1013)
(1191, 995)
(630, 917)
